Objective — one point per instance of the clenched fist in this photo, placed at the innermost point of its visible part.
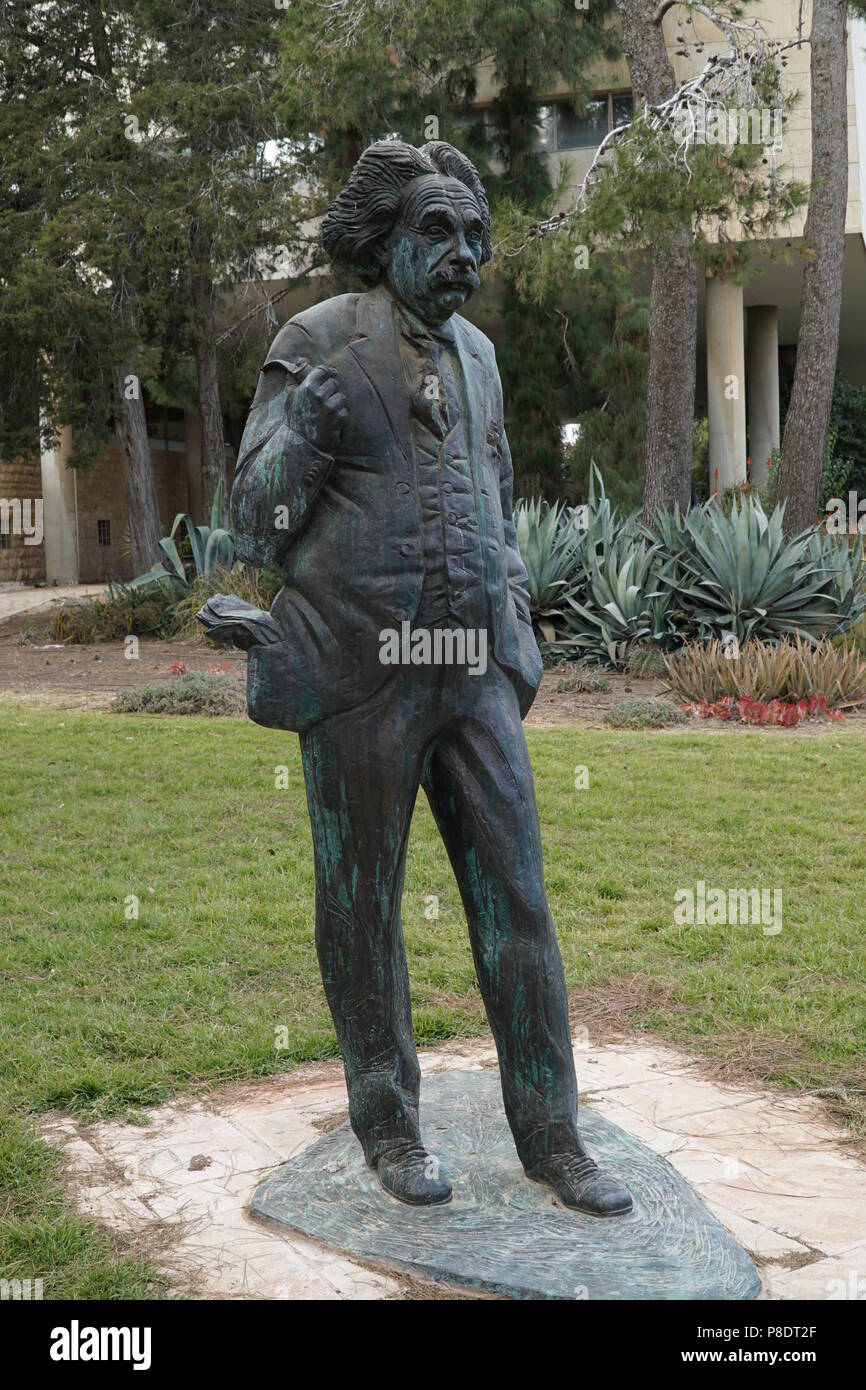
(318, 409)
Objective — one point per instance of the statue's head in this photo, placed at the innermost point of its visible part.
(417, 219)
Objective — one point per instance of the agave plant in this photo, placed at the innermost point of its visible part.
(841, 559)
(574, 559)
(550, 544)
(624, 601)
(601, 524)
(736, 572)
(210, 547)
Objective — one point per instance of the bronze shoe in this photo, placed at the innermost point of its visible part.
(407, 1172)
(580, 1184)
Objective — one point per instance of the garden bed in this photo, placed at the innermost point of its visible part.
(88, 677)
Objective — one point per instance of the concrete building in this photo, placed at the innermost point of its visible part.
(85, 520)
(743, 332)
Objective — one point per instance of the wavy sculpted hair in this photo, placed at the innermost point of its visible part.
(364, 213)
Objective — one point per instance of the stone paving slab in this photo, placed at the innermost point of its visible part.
(778, 1175)
(26, 599)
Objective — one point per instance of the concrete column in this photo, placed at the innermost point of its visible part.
(726, 384)
(764, 433)
(60, 520)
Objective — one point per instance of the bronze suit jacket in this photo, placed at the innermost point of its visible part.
(349, 544)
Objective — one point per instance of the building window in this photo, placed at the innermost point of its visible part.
(621, 109)
(559, 127)
(165, 425)
(103, 529)
(472, 126)
(4, 540)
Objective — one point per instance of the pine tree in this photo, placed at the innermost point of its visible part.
(79, 285)
(806, 424)
(367, 71)
(228, 207)
(653, 192)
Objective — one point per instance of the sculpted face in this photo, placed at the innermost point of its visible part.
(433, 255)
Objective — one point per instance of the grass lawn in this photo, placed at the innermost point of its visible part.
(102, 1014)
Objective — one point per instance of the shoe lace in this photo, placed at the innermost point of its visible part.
(579, 1167)
(405, 1153)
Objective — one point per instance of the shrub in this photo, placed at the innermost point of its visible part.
(701, 671)
(848, 419)
(258, 586)
(835, 472)
(198, 692)
(854, 638)
(789, 671)
(145, 612)
(582, 681)
(644, 714)
(593, 582)
(154, 610)
(645, 660)
(623, 600)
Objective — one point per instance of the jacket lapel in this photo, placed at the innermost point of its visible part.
(377, 352)
(476, 395)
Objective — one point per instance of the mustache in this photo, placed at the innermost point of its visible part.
(455, 276)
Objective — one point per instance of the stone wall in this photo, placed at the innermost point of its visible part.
(19, 563)
(101, 496)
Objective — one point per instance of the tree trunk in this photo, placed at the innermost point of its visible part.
(673, 327)
(131, 428)
(209, 408)
(673, 296)
(808, 418)
(129, 421)
(102, 56)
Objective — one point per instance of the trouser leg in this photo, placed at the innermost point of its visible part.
(480, 787)
(361, 772)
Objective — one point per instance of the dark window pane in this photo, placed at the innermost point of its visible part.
(580, 132)
(623, 110)
(155, 418)
(543, 137)
(175, 423)
(468, 128)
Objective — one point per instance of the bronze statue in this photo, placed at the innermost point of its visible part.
(375, 471)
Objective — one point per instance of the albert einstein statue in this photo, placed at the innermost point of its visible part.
(375, 472)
